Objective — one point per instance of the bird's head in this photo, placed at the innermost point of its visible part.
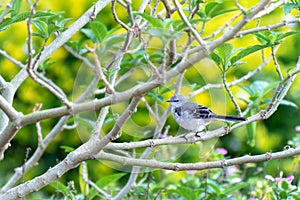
(177, 100)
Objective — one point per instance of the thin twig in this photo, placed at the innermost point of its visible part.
(31, 68)
(25, 160)
(99, 190)
(150, 109)
(113, 9)
(236, 105)
(227, 24)
(268, 27)
(11, 59)
(240, 7)
(38, 107)
(4, 12)
(129, 11)
(269, 9)
(100, 73)
(80, 57)
(276, 64)
(194, 32)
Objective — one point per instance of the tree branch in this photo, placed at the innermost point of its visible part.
(199, 165)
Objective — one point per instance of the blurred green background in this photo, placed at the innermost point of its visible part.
(272, 134)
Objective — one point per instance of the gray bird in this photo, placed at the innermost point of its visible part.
(194, 117)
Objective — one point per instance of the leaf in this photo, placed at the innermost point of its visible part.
(16, 7)
(67, 149)
(288, 7)
(235, 188)
(258, 87)
(288, 103)
(211, 7)
(245, 52)
(223, 11)
(112, 31)
(83, 175)
(59, 187)
(186, 192)
(262, 38)
(251, 131)
(62, 23)
(105, 181)
(284, 35)
(283, 102)
(152, 20)
(247, 89)
(98, 29)
(114, 40)
(216, 58)
(89, 33)
(270, 87)
(42, 27)
(51, 29)
(285, 185)
(225, 51)
(21, 17)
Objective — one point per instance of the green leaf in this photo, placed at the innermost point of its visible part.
(288, 103)
(105, 181)
(21, 17)
(211, 7)
(251, 131)
(259, 87)
(67, 149)
(283, 195)
(262, 38)
(235, 188)
(187, 193)
(223, 11)
(216, 58)
(285, 185)
(284, 35)
(270, 87)
(42, 27)
(288, 7)
(112, 31)
(114, 40)
(225, 51)
(51, 29)
(155, 22)
(16, 7)
(99, 30)
(283, 102)
(245, 52)
(247, 89)
(62, 23)
(48, 62)
(89, 33)
(59, 186)
(83, 175)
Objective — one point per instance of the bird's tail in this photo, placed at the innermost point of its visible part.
(230, 118)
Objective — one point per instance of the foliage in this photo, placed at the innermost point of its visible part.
(91, 104)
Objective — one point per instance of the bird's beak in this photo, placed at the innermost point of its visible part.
(168, 101)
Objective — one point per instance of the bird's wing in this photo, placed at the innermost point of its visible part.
(198, 111)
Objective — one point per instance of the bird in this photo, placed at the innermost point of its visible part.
(194, 117)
